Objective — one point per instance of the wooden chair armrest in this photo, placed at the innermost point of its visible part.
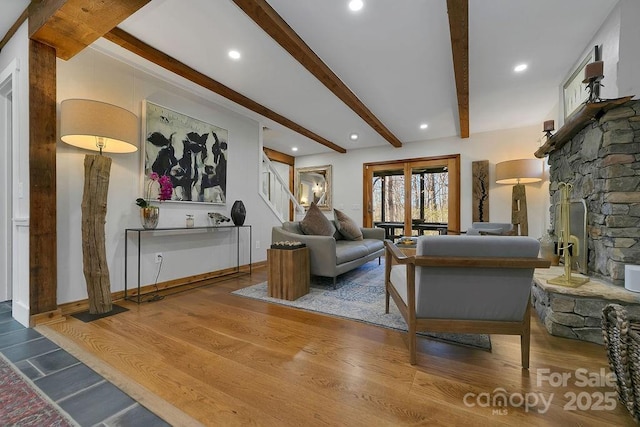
(481, 262)
(397, 254)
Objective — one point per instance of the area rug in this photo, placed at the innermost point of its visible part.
(359, 296)
(22, 405)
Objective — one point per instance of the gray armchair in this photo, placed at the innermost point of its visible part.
(491, 229)
(464, 284)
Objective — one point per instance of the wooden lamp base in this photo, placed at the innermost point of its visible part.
(519, 210)
(97, 169)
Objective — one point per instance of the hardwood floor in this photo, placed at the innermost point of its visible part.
(229, 360)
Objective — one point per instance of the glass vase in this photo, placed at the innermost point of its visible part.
(547, 248)
(149, 217)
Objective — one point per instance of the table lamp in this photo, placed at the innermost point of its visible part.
(94, 125)
(519, 172)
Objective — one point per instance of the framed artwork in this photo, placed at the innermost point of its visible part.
(480, 190)
(191, 152)
(314, 185)
(574, 91)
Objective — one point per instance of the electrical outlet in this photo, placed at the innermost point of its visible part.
(257, 244)
(158, 257)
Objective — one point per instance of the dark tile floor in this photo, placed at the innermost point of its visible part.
(85, 395)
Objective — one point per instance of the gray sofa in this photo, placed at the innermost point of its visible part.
(331, 256)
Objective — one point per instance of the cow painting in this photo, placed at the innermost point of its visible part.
(191, 152)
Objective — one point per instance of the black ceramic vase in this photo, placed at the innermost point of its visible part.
(238, 212)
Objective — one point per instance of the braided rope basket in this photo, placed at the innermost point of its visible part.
(622, 340)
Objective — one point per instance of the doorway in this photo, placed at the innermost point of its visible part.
(414, 196)
(283, 165)
(6, 175)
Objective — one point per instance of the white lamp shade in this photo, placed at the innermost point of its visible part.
(83, 121)
(522, 171)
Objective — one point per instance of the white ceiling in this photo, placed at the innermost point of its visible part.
(394, 55)
(10, 11)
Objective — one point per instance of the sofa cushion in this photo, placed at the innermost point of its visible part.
(292, 227)
(349, 250)
(372, 245)
(346, 226)
(315, 223)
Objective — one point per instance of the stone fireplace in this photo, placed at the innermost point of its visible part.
(599, 153)
(602, 161)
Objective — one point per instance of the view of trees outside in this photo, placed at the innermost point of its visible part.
(393, 198)
(433, 199)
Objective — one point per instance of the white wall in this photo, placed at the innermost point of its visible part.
(607, 37)
(493, 146)
(94, 75)
(16, 53)
(619, 38)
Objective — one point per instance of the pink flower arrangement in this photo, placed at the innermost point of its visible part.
(165, 191)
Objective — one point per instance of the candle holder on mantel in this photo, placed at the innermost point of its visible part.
(567, 243)
(548, 127)
(592, 77)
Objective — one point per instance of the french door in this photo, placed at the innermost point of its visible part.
(414, 196)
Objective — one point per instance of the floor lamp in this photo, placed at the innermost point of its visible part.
(518, 173)
(102, 127)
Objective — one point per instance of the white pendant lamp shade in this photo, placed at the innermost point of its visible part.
(98, 126)
(522, 171)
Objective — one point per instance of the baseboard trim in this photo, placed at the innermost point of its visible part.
(47, 318)
(69, 308)
(20, 312)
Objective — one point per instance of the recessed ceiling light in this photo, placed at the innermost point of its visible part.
(234, 54)
(294, 148)
(353, 136)
(355, 5)
(520, 68)
(424, 126)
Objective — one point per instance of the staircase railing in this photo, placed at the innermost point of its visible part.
(274, 190)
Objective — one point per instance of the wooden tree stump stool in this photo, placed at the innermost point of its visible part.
(288, 276)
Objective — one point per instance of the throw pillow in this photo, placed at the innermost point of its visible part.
(346, 226)
(315, 223)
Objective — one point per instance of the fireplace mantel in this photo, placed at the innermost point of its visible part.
(601, 163)
(576, 122)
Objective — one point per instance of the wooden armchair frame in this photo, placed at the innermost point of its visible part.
(408, 311)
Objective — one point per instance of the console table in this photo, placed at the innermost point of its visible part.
(140, 231)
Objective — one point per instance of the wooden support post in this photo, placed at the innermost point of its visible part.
(43, 259)
(97, 169)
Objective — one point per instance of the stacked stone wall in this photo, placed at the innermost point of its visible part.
(574, 316)
(603, 164)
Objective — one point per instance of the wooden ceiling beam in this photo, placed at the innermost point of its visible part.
(273, 24)
(132, 44)
(71, 25)
(459, 29)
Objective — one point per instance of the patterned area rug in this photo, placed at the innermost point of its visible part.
(22, 405)
(359, 296)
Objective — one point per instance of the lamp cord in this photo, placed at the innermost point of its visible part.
(156, 296)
